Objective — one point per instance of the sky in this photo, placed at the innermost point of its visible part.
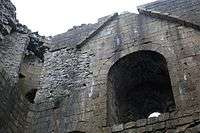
(51, 17)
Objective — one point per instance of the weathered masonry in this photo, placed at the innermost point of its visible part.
(107, 77)
(141, 85)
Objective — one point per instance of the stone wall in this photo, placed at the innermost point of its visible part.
(30, 76)
(12, 48)
(13, 42)
(72, 78)
(7, 18)
(13, 107)
(170, 122)
(74, 93)
(184, 10)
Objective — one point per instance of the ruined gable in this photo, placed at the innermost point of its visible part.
(110, 76)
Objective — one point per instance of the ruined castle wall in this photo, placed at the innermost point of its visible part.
(178, 44)
(62, 99)
(187, 10)
(74, 92)
(30, 74)
(12, 48)
(7, 18)
(72, 82)
(13, 107)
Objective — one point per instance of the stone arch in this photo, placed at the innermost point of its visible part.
(138, 84)
(165, 51)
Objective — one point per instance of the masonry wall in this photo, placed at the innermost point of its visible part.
(74, 93)
(72, 81)
(177, 43)
(13, 107)
(30, 74)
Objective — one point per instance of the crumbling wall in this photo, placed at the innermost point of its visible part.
(130, 33)
(14, 39)
(7, 18)
(178, 10)
(13, 107)
(74, 94)
(71, 79)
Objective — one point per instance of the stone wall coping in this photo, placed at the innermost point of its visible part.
(177, 118)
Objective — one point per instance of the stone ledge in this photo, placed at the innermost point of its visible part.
(166, 120)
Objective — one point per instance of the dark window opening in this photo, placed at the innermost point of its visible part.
(30, 96)
(21, 75)
(138, 85)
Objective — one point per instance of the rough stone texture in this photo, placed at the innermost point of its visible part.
(7, 18)
(185, 10)
(14, 40)
(72, 36)
(12, 48)
(73, 94)
(78, 34)
(13, 107)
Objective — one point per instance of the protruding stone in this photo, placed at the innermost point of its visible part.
(117, 128)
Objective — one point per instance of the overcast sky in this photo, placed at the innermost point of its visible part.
(51, 17)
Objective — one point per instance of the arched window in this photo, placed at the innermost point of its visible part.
(30, 95)
(139, 85)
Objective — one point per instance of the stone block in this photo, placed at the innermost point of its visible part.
(117, 128)
(141, 122)
(152, 120)
(130, 125)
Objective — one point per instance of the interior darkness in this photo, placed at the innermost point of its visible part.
(21, 75)
(138, 85)
(30, 96)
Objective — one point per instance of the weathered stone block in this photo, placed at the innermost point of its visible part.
(117, 128)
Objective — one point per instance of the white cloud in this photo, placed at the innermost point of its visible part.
(52, 17)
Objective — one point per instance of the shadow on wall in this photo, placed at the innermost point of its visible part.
(138, 85)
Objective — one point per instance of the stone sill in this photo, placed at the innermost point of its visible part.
(165, 120)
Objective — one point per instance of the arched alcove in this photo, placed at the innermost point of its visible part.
(30, 95)
(138, 85)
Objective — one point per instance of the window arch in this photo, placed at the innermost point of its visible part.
(138, 85)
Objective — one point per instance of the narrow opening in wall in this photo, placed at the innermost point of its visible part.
(138, 85)
(30, 95)
(21, 75)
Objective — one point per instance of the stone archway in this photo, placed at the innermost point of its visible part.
(138, 85)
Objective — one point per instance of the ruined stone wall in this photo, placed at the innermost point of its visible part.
(178, 44)
(13, 108)
(186, 10)
(63, 97)
(12, 48)
(74, 94)
(13, 42)
(71, 79)
(7, 18)
(30, 76)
